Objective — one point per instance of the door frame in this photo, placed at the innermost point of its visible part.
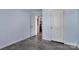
(37, 24)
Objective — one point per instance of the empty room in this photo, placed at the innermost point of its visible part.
(39, 29)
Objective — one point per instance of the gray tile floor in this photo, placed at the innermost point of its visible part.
(36, 43)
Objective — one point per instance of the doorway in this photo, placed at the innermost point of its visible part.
(38, 26)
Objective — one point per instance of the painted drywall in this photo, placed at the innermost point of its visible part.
(71, 31)
(46, 25)
(78, 28)
(15, 25)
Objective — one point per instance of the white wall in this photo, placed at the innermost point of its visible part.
(78, 28)
(15, 25)
(71, 26)
(46, 25)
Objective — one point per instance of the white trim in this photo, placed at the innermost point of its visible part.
(73, 44)
(35, 25)
(8, 44)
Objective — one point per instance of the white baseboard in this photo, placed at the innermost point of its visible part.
(8, 44)
(72, 44)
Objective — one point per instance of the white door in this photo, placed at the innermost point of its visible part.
(56, 22)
